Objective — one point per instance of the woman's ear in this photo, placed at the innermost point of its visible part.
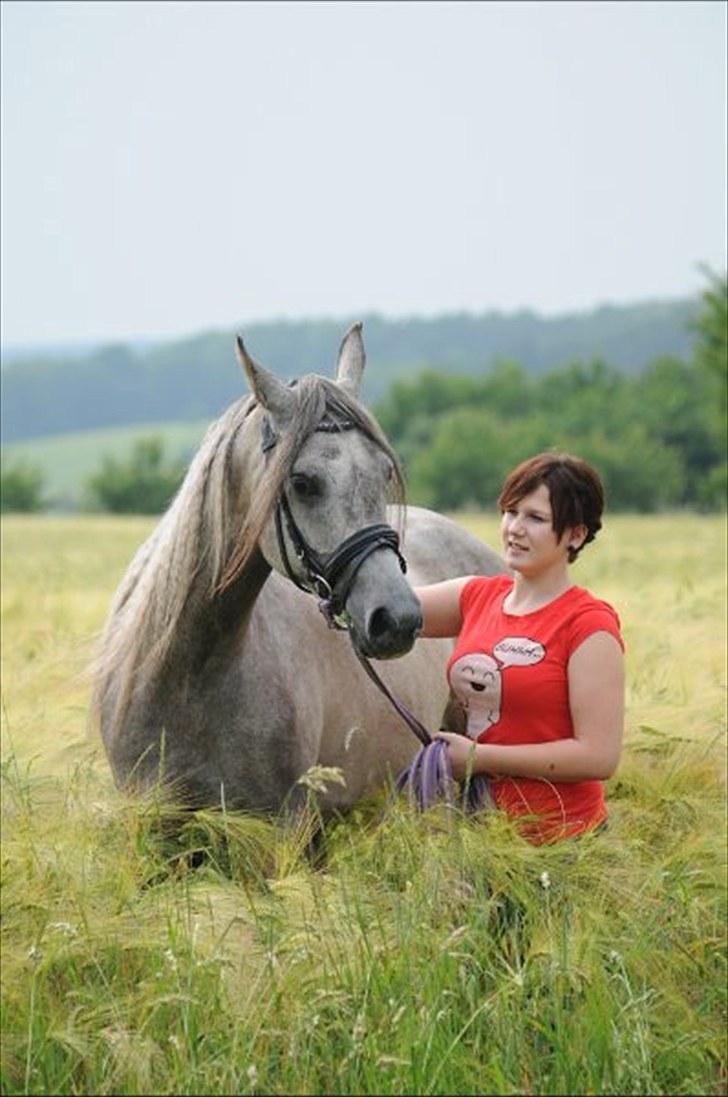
(577, 537)
(578, 534)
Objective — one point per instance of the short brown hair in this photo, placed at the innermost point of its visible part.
(575, 489)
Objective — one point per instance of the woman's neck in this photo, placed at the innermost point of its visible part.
(530, 593)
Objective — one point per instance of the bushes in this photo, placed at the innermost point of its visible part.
(470, 452)
(143, 484)
(21, 488)
(658, 437)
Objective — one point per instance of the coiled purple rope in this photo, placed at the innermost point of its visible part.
(428, 780)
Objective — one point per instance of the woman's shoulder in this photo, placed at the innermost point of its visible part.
(583, 600)
(481, 590)
(587, 614)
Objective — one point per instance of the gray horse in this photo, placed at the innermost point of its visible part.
(216, 675)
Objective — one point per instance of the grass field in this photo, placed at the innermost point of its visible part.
(424, 954)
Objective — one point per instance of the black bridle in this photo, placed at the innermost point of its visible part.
(429, 776)
(322, 573)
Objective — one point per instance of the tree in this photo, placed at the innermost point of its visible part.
(676, 404)
(428, 394)
(640, 473)
(21, 488)
(506, 389)
(711, 349)
(143, 484)
(711, 359)
(584, 396)
(468, 456)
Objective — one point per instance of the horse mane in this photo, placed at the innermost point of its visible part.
(202, 544)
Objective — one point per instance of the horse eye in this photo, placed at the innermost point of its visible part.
(305, 487)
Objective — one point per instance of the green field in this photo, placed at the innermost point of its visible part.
(423, 954)
(68, 460)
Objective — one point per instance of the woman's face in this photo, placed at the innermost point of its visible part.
(529, 542)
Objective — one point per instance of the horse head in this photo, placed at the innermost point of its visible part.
(326, 473)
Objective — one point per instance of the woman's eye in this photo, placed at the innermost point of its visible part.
(305, 487)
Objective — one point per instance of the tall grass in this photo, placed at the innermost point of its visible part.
(428, 954)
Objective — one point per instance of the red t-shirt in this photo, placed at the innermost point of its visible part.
(509, 672)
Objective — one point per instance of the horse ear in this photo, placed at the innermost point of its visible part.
(271, 393)
(351, 361)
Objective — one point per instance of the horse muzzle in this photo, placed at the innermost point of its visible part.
(387, 633)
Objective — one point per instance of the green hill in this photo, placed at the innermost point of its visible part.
(67, 460)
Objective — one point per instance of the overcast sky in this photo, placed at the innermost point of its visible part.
(171, 167)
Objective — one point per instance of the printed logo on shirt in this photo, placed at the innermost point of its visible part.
(518, 651)
(476, 679)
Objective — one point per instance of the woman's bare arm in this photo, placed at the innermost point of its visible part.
(441, 607)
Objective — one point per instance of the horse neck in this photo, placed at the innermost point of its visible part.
(229, 613)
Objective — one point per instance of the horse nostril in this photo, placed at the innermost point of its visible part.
(386, 628)
(380, 623)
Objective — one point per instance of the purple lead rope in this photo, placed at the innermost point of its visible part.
(409, 718)
(429, 777)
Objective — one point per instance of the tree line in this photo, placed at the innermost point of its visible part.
(658, 437)
(198, 377)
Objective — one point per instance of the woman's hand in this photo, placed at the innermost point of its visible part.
(462, 753)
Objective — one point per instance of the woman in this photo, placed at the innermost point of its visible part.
(538, 664)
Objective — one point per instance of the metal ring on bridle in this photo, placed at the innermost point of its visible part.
(323, 587)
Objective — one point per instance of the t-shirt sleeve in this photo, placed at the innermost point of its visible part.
(600, 617)
(478, 593)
